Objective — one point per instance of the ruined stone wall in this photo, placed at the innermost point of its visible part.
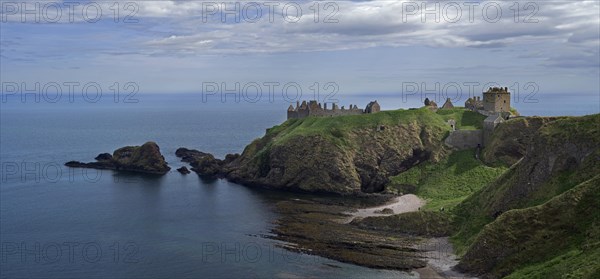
(464, 139)
(488, 130)
(302, 113)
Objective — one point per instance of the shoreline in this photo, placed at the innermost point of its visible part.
(400, 204)
(438, 251)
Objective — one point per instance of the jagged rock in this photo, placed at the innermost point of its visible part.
(184, 170)
(191, 155)
(145, 159)
(204, 163)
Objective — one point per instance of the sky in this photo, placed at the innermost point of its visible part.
(348, 48)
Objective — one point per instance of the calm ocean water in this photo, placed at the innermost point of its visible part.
(57, 222)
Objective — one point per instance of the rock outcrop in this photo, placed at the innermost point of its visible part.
(145, 159)
(204, 164)
(184, 170)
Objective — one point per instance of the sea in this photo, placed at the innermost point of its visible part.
(58, 222)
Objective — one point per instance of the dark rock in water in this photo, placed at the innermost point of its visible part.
(204, 163)
(191, 155)
(146, 159)
(104, 157)
(184, 170)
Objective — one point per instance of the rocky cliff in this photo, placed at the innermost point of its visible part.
(511, 139)
(343, 155)
(543, 209)
(146, 159)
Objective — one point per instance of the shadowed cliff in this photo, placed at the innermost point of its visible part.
(541, 217)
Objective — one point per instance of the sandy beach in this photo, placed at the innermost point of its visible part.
(401, 204)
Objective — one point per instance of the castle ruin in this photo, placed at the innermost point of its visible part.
(495, 104)
(495, 100)
(313, 108)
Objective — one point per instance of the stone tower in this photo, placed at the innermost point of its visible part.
(496, 99)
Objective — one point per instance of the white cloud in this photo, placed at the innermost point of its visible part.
(374, 24)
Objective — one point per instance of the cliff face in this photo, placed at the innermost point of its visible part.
(546, 205)
(344, 155)
(511, 139)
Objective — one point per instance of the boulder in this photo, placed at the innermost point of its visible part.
(145, 159)
(184, 170)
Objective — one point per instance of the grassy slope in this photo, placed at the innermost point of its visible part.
(465, 119)
(558, 239)
(472, 212)
(546, 209)
(575, 263)
(448, 182)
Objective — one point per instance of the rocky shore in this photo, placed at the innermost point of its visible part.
(313, 226)
(318, 225)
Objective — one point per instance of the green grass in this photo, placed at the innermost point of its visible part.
(514, 111)
(573, 127)
(557, 239)
(448, 182)
(337, 129)
(474, 213)
(572, 264)
(465, 119)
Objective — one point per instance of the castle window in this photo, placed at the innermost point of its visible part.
(505, 101)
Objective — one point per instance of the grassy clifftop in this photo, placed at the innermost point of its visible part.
(465, 119)
(339, 129)
(345, 154)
